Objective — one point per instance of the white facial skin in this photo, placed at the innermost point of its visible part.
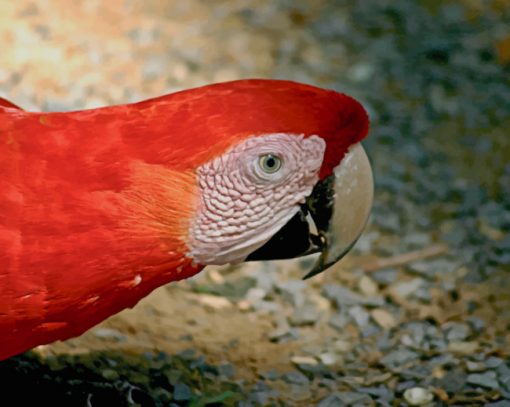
(251, 192)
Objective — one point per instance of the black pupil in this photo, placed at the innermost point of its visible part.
(271, 162)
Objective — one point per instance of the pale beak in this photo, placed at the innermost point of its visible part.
(339, 206)
(352, 186)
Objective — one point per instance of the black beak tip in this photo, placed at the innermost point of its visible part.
(313, 272)
(317, 269)
(321, 264)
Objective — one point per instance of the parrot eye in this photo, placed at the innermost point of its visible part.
(270, 163)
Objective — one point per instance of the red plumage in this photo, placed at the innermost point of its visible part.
(95, 205)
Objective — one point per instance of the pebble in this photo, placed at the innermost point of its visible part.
(453, 381)
(153, 67)
(215, 275)
(398, 358)
(456, 331)
(303, 360)
(213, 301)
(423, 295)
(344, 399)
(269, 307)
(343, 296)
(477, 324)
(305, 315)
(295, 378)
(244, 305)
(404, 289)
(383, 318)
(292, 291)
(367, 286)
(339, 320)
(263, 279)
(417, 240)
(385, 276)
(329, 358)
(378, 379)
(226, 370)
(405, 385)
(389, 222)
(353, 398)
(361, 72)
(182, 392)
(418, 396)
(109, 374)
(331, 401)
(370, 329)
(504, 376)
(500, 403)
(281, 331)
(493, 362)
(342, 346)
(463, 348)
(259, 398)
(360, 315)
(487, 380)
(109, 334)
(381, 392)
(366, 241)
(255, 295)
(270, 374)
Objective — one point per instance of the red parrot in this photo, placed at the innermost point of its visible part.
(100, 207)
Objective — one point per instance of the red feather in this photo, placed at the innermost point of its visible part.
(6, 103)
(95, 204)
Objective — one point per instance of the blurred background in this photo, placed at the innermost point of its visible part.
(421, 306)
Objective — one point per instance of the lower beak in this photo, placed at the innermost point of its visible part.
(339, 207)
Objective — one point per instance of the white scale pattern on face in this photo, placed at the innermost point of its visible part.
(241, 207)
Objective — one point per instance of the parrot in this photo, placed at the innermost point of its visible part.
(99, 207)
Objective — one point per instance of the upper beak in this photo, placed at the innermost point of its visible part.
(339, 207)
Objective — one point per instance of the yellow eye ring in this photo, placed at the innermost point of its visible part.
(270, 163)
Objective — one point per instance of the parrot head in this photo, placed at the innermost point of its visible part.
(280, 171)
(236, 171)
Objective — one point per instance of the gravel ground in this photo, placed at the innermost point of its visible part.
(418, 314)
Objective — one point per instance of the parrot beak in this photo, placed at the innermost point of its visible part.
(339, 207)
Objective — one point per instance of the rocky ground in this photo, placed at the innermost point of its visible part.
(418, 314)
